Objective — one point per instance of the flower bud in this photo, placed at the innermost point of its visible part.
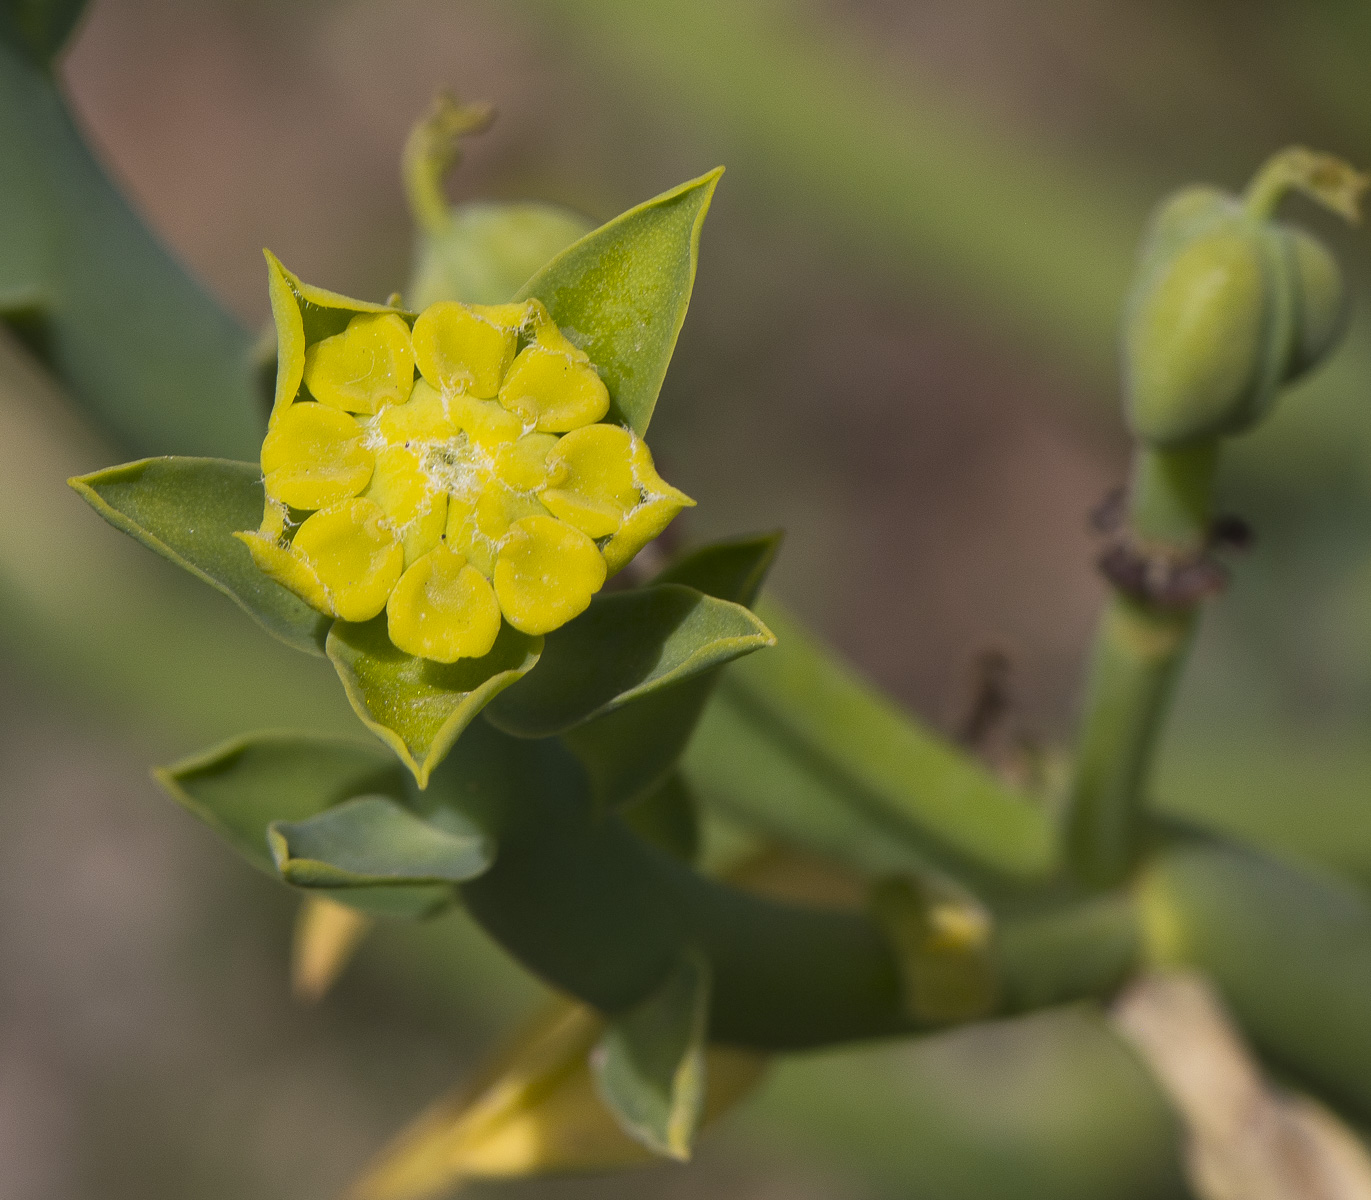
(1230, 305)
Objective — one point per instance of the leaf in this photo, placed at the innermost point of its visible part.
(623, 647)
(649, 1064)
(487, 252)
(38, 28)
(621, 293)
(417, 707)
(733, 569)
(851, 747)
(241, 787)
(187, 509)
(667, 818)
(371, 840)
(631, 751)
(136, 342)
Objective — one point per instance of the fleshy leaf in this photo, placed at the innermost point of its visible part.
(632, 750)
(621, 293)
(417, 707)
(870, 770)
(371, 840)
(38, 28)
(623, 647)
(667, 818)
(243, 786)
(650, 1063)
(187, 509)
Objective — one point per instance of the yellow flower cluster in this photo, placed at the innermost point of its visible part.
(488, 487)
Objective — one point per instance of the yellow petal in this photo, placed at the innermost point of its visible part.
(366, 367)
(535, 1112)
(443, 609)
(593, 481)
(326, 935)
(422, 418)
(459, 348)
(661, 502)
(356, 555)
(553, 388)
(545, 574)
(287, 569)
(313, 456)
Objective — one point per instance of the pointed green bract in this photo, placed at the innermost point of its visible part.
(370, 841)
(621, 293)
(649, 1064)
(623, 647)
(243, 786)
(417, 707)
(631, 751)
(187, 509)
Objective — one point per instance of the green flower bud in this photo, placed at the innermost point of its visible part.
(1230, 305)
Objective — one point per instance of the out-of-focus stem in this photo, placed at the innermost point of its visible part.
(1139, 650)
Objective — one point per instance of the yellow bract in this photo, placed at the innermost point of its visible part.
(443, 609)
(487, 490)
(546, 573)
(553, 386)
(466, 347)
(364, 368)
(313, 457)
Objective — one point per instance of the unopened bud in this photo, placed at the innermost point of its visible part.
(1230, 305)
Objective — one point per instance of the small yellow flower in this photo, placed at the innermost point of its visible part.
(486, 488)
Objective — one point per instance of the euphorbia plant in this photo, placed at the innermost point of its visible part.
(440, 495)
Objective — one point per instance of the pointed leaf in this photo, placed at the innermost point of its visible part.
(630, 752)
(419, 708)
(243, 786)
(370, 840)
(621, 293)
(650, 1063)
(487, 252)
(733, 569)
(623, 647)
(188, 509)
(667, 817)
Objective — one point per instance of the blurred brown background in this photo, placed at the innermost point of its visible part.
(900, 349)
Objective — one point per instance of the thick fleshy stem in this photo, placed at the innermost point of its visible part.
(1140, 647)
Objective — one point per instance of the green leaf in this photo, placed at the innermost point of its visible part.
(623, 647)
(631, 751)
(136, 342)
(621, 293)
(802, 707)
(733, 569)
(241, 787)
(668, 819)
(487, 252)
(371, 840)
(417, 707)
(187, 509)
(649, 1064)
(38, 28)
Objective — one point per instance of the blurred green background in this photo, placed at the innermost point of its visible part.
(901, 348)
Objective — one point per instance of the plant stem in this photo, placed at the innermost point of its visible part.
(1139, 650)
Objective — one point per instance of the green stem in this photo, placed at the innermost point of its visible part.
(432, 149)
(1139, 651)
